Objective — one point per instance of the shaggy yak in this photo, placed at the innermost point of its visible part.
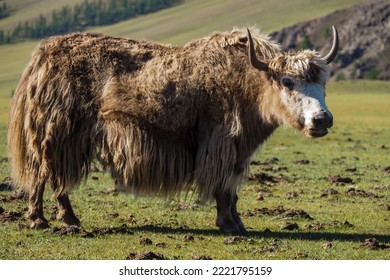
(163, 119)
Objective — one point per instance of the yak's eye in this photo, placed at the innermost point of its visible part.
(288, 83)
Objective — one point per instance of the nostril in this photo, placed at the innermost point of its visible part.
(322, 120)
(317, 122)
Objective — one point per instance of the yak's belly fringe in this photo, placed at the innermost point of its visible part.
(144, 164)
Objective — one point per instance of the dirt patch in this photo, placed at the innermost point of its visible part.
(188, 238)
(340, 181)
(385, 169)
(339, 160)
(264, 178)
(289, 226)
(268, 161)
(386, 206)
(352, 169)
(278, 212)
(268, 248)
(322, 226)
(293, 194)
(123, 229)
(315, 227)
(262, 191)
(131, 219)
(145, 241)
(185, 207)
(9, 216)
(145, 256)
(373, 244)
(274, 168)
(291, 213)
(112, 215)
(338, 223)
(235, 239)
(329, 192)
(268, 165)
(326, 245)
(361, 193)
(74, 230)
(302, 161)
(65, 230)
(301, 255)
(161, 245)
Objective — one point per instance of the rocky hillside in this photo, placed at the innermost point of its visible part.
(364, 32)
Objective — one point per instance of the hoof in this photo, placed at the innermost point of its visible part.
(234, 230)
(39, 224)
(69, 220)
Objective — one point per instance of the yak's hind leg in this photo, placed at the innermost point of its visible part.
(35, 207)
(228, 219)
(65, 211)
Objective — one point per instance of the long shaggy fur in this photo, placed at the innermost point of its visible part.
(163, 118)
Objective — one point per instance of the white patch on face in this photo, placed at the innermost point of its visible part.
(313, 101)
(304, 101)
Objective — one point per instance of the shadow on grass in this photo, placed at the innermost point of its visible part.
(329, 236)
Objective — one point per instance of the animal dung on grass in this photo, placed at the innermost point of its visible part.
(162, 119)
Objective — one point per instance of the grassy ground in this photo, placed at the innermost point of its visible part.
(335, 189)
(333, 219)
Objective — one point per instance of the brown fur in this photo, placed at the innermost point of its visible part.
(164, 118)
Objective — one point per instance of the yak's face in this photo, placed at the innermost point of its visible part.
(298, 80)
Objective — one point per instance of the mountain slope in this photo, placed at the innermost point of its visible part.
(364, 32)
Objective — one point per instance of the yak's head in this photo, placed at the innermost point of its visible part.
(298, 79)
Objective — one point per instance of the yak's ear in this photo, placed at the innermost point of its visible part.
(236, 39)
(243, 40)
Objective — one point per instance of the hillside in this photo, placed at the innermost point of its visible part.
(177, 25)
(78, 17)
(364, 32)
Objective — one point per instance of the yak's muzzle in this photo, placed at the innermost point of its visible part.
(320, 122)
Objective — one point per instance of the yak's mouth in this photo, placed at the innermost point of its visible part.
(316, 132)
(312, 132)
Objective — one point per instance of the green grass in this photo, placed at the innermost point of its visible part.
(357, 147)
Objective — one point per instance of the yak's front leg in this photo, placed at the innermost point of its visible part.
(35, 207)
(236, 216)
(228, 219)
(65, 211)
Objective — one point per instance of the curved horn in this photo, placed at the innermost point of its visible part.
(335, 47)
(252, 55)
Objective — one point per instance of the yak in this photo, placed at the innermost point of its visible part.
(163, 119)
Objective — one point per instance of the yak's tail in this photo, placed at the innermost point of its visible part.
(18, 146)
(50, 139)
